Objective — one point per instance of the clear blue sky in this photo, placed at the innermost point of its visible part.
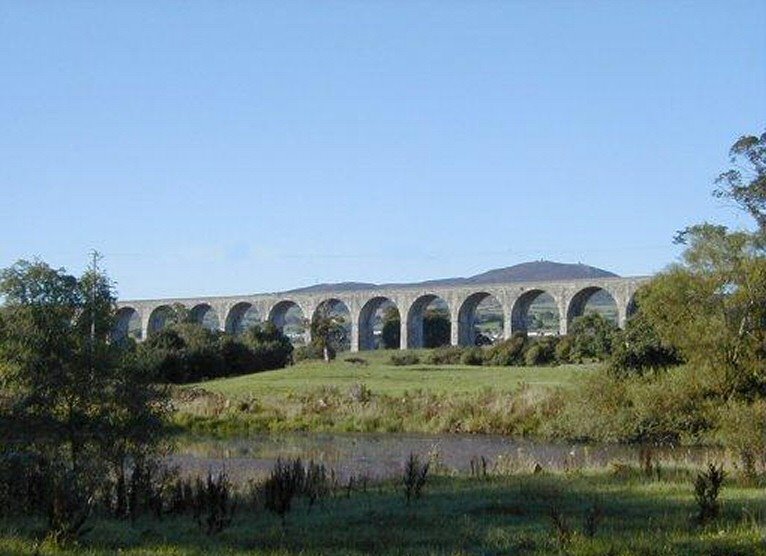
(238, 147)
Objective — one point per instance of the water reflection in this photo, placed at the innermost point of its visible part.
(382, 455)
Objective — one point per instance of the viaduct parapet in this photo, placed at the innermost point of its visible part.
(514, 298)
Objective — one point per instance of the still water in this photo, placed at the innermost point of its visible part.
(377, 456)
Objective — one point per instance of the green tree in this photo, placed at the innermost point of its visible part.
(712, 305)
(71, 398)
(328, 332)
(392, 329)
(436, 329)
(592, 337)
(639, 348)
(745, 182)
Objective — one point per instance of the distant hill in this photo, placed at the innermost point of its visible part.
(523, 272)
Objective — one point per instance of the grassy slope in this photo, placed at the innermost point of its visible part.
(383, 378)
(506, 514)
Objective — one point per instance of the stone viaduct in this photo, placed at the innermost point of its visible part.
(515, 298)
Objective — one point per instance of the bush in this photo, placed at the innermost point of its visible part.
(310, 352)
(665, 410)
(445, 355)
(592, 337)
(743, 431)
(541, 352)
(638, 349)
(508, 352)
(415, 474)
(472, 356)
(188, 352)
(436, 329)
(707, 486)
(563, 350)
(404, 359)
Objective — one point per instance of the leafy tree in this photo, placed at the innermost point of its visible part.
(270, 347)
(745, 182)
(436, 329)
(392, 329)
(328, 332)
(592, 337)
(71, 398)
(712, 305)
(639, 348)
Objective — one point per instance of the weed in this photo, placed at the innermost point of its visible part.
(561, 526)
(594, 515)
(215, 501)
(284, 484)
(479, 467)
(415, 474)
(707, 487)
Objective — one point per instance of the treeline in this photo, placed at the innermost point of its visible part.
(185, 352)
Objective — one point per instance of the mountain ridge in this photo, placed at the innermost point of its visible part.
(530, 271)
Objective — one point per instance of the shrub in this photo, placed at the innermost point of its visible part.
(707, 487)
(215, 505)
(472, 356)
(638, 349)
(743, 431)
(436, 329)
(404, 359)
(592, 337)
(541, 352)
(415, 474)
(563, 350)
(284, 483)
(308, 353)
(445, 355)
(508, 352)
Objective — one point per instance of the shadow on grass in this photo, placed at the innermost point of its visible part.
(503, 514)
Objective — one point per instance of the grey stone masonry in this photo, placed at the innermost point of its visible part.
(514, 298)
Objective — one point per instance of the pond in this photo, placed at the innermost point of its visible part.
(379, 456)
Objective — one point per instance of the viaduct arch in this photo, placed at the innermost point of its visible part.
(233, 314)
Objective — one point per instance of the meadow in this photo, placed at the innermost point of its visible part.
(622, 510)
(377, 396)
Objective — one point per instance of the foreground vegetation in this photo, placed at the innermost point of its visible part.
(618, 511)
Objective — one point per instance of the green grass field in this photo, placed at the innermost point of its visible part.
(499, 514)
(383, 378)
(377, 397)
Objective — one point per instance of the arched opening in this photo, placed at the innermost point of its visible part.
(428, 322)
(205, 315)
(161, 317)
(289, 318)
(241, 317)
(127, 325)
(338, 314)
(536, 313)
(379, 325)
(480, 320)
(593, 300)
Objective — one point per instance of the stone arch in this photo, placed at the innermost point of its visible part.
(336, 308)
(127, 324)
(240, 317)
(290, 318)
(467, 317)
(520, 318)
(205, 315)
(415, 314)
(369, 319)
(578, 304)
(159, 318)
